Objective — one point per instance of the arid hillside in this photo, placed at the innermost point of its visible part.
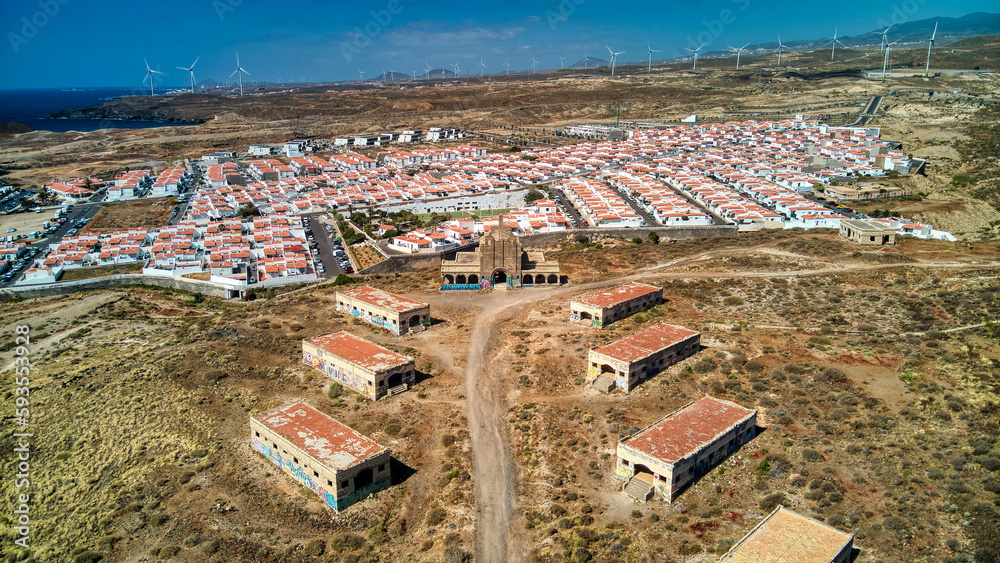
(873, 372)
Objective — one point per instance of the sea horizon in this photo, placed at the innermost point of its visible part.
(31, 106)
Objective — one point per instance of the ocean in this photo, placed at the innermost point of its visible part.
(31, 106)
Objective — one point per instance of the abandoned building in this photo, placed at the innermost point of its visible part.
(337, 463)
(396, 314)
(499, 261)
(606, 307)
(359, 365)
(786, 535)
(867, 233)
(639, 356)
(682, 446)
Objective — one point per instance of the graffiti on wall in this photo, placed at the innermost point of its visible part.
(296, 471)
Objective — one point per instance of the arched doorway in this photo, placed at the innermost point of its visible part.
(414, 320)
(473, 279)
(553, 278)
(363, 478)
(499, 277)
(528, 280)
(449, 279)
(585, 316)
(643, 473)
(460, 279)
(394, 380)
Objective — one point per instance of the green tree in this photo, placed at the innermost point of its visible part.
(533, 196)
(248, 210)
(653, 237)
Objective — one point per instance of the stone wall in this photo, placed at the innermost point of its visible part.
(409, 263)
(665, 233)
(62, 288)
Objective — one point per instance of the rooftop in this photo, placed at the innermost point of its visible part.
(325, 439)
(359, 352)
(786, 537)
(616, 295)
(865, 226)
(688, 428)
(383, 299)
(646, 342)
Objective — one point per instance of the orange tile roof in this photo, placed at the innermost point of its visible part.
(620, 294)
(383, 299)
(646, 342)
(786, 535)
(359, 352)
(683, 431)
(328, 441)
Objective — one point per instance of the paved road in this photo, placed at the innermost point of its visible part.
(324, 249)
(869, 112)
(568, 207)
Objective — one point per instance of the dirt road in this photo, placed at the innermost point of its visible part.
(494, 475)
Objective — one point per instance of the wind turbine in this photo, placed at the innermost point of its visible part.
(649, 66)
(695, 51)
(455, 66)
(533, 63)
(427, 70)
(585, 60)
(191, 70)
(930, 45)
(414, 74)
(780, 47)
(507, 64)
(884, 40)
(482, 67)
(239, 70)
(149, 74)
(885, 61)
(383, 75)
(614, 58)
(562, 63)
(738, 53)
(834, 43)
(392, 74)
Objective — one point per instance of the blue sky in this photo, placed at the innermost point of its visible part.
(79, 43)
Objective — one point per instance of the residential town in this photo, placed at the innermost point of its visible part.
(239, 219)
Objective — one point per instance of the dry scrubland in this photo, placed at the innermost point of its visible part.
(142, 397)
(143, 213)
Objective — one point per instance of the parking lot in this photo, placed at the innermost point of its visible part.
(332, 259)
(24, 223)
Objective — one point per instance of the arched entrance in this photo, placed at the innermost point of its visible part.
(527, 280)
(460, 279)
(643, 473)
(363, 478)
(473, 279)
(414, 320)
(553, 278)
(499, 277)
(449, 279)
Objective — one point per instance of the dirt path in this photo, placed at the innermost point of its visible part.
(494, 477)
(494, 474)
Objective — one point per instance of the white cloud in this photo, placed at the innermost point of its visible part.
(414, 36)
